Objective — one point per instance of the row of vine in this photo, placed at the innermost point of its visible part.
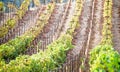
(51, 58)
(17, 46)
(11, 23)
(103, 58)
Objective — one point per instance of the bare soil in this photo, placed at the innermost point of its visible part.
(84, 40)
(116, 25)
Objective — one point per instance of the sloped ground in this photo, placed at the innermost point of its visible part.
(87, 36)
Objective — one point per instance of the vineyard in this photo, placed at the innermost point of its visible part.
(60, 36)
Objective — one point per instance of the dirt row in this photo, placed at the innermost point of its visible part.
(96, 34)
(116, 25)
(89, 34)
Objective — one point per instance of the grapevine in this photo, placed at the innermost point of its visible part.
(103, 58)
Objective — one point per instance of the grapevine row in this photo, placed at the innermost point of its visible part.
(103, 58)
(10, 23)
(13, 48)
(51, 58)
